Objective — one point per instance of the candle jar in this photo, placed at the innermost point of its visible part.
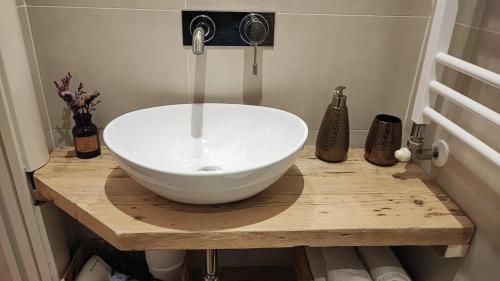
(85, 136)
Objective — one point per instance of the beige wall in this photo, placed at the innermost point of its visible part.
(471, 180)
(4, 268)
(132, 51)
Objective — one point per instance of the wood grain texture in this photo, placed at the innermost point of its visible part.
(315, 203)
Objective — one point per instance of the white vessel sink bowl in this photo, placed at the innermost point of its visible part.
(206, 153)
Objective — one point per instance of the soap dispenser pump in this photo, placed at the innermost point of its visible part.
(332, 143)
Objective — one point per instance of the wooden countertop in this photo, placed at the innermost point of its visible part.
(315, 203)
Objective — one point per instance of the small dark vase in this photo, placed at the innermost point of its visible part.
(86, 137)
(384, 138)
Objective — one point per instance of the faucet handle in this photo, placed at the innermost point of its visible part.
(254, 30)
(255, 67)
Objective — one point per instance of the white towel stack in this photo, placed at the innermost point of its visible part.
(344, 264)
(383, 264)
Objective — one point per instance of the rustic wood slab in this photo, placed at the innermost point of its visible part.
(315, 203)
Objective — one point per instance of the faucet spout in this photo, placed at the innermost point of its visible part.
(199, 41)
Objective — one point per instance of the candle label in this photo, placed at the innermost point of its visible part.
(86, 144)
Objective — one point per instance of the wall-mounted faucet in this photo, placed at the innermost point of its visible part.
(199, 41)
(233, 29)
(202, 29)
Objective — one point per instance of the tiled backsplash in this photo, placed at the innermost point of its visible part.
(132, 51)
(341, 7)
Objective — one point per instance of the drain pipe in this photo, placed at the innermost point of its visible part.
(211, 265)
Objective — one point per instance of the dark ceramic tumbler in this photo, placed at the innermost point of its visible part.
(384, 138)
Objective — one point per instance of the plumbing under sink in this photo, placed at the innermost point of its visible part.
(206, 153)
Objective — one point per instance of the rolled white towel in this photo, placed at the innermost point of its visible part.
(343, 264)
(383, 264)
(317, 263)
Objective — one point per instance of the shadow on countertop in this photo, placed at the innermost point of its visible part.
(145, 206)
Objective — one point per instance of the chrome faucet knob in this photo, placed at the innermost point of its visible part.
(254, 30)
(202, 29)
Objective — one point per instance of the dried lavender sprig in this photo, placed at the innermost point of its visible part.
(80, 101)
(65, 81)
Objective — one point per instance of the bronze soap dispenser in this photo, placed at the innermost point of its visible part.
(332, 143)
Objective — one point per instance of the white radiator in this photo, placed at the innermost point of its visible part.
(437, 53)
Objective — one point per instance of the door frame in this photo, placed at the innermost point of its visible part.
(17, 205)
(19, 210)
(14, 237)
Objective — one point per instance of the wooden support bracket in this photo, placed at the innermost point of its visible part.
(452, 251)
